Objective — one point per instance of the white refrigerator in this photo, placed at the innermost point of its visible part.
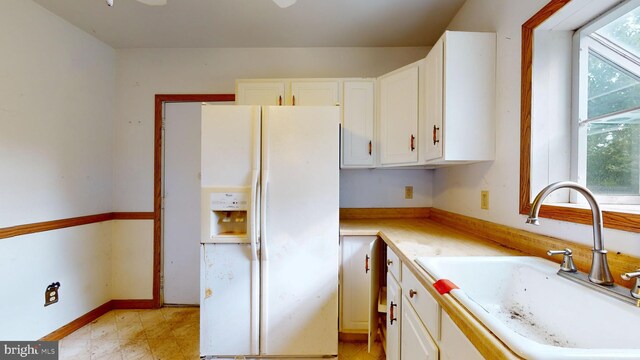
(269, 253)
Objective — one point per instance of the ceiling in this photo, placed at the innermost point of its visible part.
(260, 23)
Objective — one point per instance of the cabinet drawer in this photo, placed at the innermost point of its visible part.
(394, 265)
(425, 305)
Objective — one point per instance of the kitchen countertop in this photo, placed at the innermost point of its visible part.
(410, 238)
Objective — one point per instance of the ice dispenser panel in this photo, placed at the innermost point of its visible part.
(228, 216)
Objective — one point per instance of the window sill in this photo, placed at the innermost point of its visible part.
(619, 217)
(629, 209)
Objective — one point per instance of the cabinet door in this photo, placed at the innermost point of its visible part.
(354, 289)
(399, 116)
(260, 92)
(394, 318)
(314, 93)
(357, 124)
(415, 342)
(469, 95)
(372, 267)
(454, 344)
(433, 70)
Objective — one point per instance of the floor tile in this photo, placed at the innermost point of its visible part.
(169, 333)
(82, 333)
(105, 349)
(163, 349)
(131, 331)
(104, 331)
(126, 317)
(135, 350)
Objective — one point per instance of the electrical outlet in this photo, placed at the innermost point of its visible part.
(408, 192)
(51, 294)
(484, 199)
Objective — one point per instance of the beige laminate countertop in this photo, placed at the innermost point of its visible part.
(423, 237)
(410, 238)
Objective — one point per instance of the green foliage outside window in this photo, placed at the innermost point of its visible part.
(613, 142)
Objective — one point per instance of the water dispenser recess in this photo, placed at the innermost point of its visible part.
(228, 215)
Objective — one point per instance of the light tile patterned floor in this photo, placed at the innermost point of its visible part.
(170, 333)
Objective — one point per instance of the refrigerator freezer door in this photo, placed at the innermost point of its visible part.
(230, 135)
(227, 311)
(230, 273)
(300, 242)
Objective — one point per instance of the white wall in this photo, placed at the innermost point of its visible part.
(376, 188)
(57, 87)
(56, 109)
(457, 189)
(142, 73)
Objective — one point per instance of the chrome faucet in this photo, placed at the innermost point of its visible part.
(599, 272)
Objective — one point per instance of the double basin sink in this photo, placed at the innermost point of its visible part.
(535, 312)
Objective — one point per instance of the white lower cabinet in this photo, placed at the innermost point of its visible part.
(354, 288)
(394, 317)
(427, 330)
(454, 344)
(416, 326)
(416, 343)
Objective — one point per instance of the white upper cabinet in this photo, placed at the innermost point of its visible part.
(305, 92)
(255, 92)
(459, 98)
(357, 124)
(398, 116)
(314, 93)
(433, 71)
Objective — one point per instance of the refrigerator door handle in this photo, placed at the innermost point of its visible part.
(254, 215)
(263, 216)
(264, 270)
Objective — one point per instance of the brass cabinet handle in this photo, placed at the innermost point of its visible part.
(389, 262)
(293, 100)
(435, 135)
(369, 147)
(412, 293)
(280, 100)
(413, 139)
(366, 263)
(392, 316)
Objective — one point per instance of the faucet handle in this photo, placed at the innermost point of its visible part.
(631, 275)
(567, 260)
(635, 290)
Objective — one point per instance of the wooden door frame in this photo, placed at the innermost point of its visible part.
(160, 100)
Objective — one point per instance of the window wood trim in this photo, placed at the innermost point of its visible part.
(612, 219)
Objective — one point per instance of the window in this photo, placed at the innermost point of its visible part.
(608, 111)
(563, 120)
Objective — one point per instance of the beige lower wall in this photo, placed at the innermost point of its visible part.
(132, 259)
(78, 257)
